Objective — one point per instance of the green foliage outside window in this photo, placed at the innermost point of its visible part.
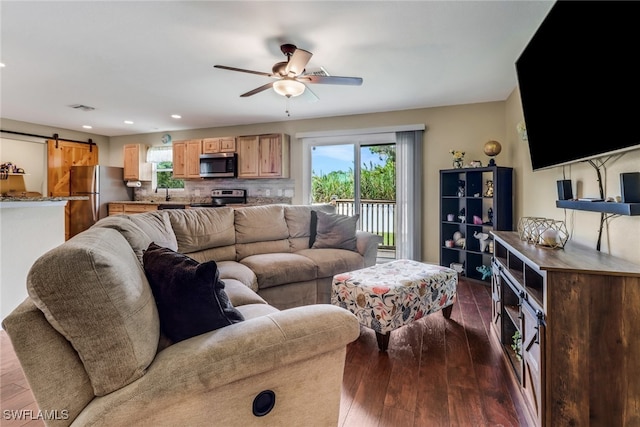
(164, 174)
(377, 182)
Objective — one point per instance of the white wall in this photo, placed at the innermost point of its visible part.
(30, 155)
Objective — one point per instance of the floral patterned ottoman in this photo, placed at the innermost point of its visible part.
(387, 296)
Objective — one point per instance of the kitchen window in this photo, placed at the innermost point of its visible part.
(162, 159)
(164, 176)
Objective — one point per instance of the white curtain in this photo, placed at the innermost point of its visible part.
(160, 154)
(409, 194)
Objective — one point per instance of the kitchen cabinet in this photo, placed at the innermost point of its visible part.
(263, 156)
(219, 145)
(186, 158)
(131, 208)
(567, 321)
(136, 167)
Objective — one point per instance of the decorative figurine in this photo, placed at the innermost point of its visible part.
(492, 149)
(458, 158)
(461, 185)
(484, 270)
(483, 238)
(490, 216)
(489, 192)
(459, 240)
(462, 216)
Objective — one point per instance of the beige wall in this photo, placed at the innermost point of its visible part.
(462, 127)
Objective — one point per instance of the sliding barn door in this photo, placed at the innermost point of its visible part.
(61, 155)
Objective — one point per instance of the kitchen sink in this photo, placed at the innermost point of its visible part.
(171, 206)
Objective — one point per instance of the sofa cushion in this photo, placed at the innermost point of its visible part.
(93, 290)
(280, 268)
(336, 231)
(202, 228)
(260, 224)
(190, 296)
(239, 272)
(239, 294)
(244, 250)
(333, 261)
(138, 239)
(158, 227)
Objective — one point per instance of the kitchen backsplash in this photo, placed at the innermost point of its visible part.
(259, 191)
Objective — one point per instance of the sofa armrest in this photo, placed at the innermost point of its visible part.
(227, 356)
(367, 245)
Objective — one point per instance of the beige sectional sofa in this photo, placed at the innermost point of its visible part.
(89, 336)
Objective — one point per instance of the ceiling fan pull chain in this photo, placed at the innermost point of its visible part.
(287, 106)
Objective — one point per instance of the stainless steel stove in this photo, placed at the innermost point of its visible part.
(224, 197)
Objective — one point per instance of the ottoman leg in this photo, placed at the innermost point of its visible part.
(446, 312)
(383, 340)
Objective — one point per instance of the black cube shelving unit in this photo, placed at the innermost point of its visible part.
(476, 203)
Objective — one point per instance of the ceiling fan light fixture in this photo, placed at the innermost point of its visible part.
(288, 87)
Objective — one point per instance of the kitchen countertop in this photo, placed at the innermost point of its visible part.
(151, 202)
(25, 202)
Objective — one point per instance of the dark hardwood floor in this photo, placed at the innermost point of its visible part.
(437, 372)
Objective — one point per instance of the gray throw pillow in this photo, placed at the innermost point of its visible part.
(336, 231)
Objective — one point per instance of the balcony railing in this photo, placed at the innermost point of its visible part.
(376, 216)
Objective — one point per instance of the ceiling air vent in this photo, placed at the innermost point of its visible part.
(317, 72)
(82, 107)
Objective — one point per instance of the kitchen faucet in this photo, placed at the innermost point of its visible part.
(167, 197)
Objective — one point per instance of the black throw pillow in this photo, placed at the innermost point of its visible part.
(190, 295)
(313, 228)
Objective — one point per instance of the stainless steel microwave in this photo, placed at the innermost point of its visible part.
(219, 165)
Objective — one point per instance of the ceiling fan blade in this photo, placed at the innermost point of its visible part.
(297, 62)
(260, 73)
(331, 80)
(309, 95)
(257, 90)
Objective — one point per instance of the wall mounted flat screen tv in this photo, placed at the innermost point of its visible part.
(579, 82)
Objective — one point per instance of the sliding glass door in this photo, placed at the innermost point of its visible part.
(358, 178)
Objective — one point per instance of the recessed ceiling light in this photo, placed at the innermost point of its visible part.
(2, 64)
(87, 127)
(176, 116)
(129, 122)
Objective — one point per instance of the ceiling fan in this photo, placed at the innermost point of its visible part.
(290, 75)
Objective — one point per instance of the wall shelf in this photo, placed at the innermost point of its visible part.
(631, 209)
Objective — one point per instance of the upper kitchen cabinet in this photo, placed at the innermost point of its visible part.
(186, 158)
(136, 167)
(263, 156)
(219, 145)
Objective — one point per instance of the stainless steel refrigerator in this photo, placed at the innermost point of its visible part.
(102, 184)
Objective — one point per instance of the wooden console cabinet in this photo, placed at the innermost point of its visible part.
(577, 311)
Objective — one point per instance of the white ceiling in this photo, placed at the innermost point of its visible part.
(145, 60)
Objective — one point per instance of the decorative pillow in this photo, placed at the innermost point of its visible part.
(335, 231)
(313, 228)
(190, 296)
